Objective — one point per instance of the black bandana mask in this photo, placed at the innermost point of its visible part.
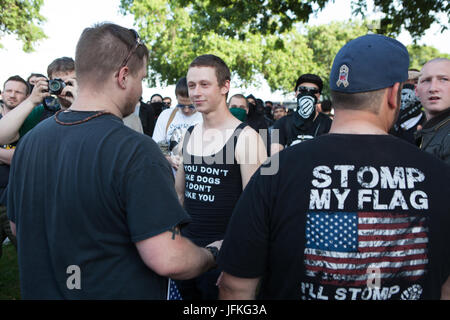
(410, 105)
(306, 109)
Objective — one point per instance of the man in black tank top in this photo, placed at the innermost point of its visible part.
(219, 158)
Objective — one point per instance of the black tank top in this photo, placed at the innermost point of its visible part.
(213, 185)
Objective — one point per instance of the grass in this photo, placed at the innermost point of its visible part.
(9, 274)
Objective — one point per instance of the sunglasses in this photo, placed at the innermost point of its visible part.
(137, 42)
(182, 106)
(308, 89)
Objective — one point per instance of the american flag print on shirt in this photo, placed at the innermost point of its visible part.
(172, 292)
(342, 246)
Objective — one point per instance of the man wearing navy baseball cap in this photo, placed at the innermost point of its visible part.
(355, 214)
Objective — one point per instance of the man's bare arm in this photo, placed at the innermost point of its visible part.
(179, 183)
(250, 153)
(171, 255)
(6, 156)
(234, 288)
(10, 123)
(13, 228)
(275, 148)
(445, 291)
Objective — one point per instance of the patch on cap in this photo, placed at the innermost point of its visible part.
(375, 61)
(343, 76)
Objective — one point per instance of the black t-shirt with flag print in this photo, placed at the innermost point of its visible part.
(346, 217)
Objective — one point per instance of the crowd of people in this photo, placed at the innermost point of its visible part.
(213, 197)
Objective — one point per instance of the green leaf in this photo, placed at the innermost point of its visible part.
(22, 18)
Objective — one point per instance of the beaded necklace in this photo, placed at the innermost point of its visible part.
(98, 114)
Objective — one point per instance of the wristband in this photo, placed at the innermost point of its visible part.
(215, 252)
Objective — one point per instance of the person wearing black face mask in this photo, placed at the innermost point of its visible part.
(304, 124)
(257, 120)
(255, 116)
(411, 115)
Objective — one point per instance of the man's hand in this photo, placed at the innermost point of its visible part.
(40, 91)
(217, 244)
(171, 255)
(175, 161)
(69, 93)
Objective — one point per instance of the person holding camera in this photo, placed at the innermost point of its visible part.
(62, 72)
(307, 122)
(47, 97)
(23, 110)
(93, 201)
(62, 88)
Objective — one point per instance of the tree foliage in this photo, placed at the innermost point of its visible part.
(276, 17)
(171, 32)
(22, 18)
(174, 42)
(414, 16)
(418, 55)
(326, 40)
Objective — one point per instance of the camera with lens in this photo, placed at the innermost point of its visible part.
(56, 86)
(51, 103)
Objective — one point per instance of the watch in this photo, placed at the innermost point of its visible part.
(215, 252)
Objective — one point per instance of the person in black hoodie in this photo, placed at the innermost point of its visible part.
(307, 122)
(255, 116)
(147, 116)
(411, 115)
(256, 119)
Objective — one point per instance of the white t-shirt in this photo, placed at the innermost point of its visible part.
(177, 127)
(134, 122)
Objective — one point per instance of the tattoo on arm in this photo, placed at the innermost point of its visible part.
(175, 231)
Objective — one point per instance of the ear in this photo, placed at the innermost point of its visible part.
(225, 88)
(393, 96)
(123, 77)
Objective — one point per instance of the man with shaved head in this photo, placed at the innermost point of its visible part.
(433, 90)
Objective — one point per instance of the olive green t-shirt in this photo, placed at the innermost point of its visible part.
(32, 120)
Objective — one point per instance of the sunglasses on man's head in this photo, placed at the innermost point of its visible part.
(137, 42)
(308, 89)
(182, 106)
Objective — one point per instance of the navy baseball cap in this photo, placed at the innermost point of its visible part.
(369, 63)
